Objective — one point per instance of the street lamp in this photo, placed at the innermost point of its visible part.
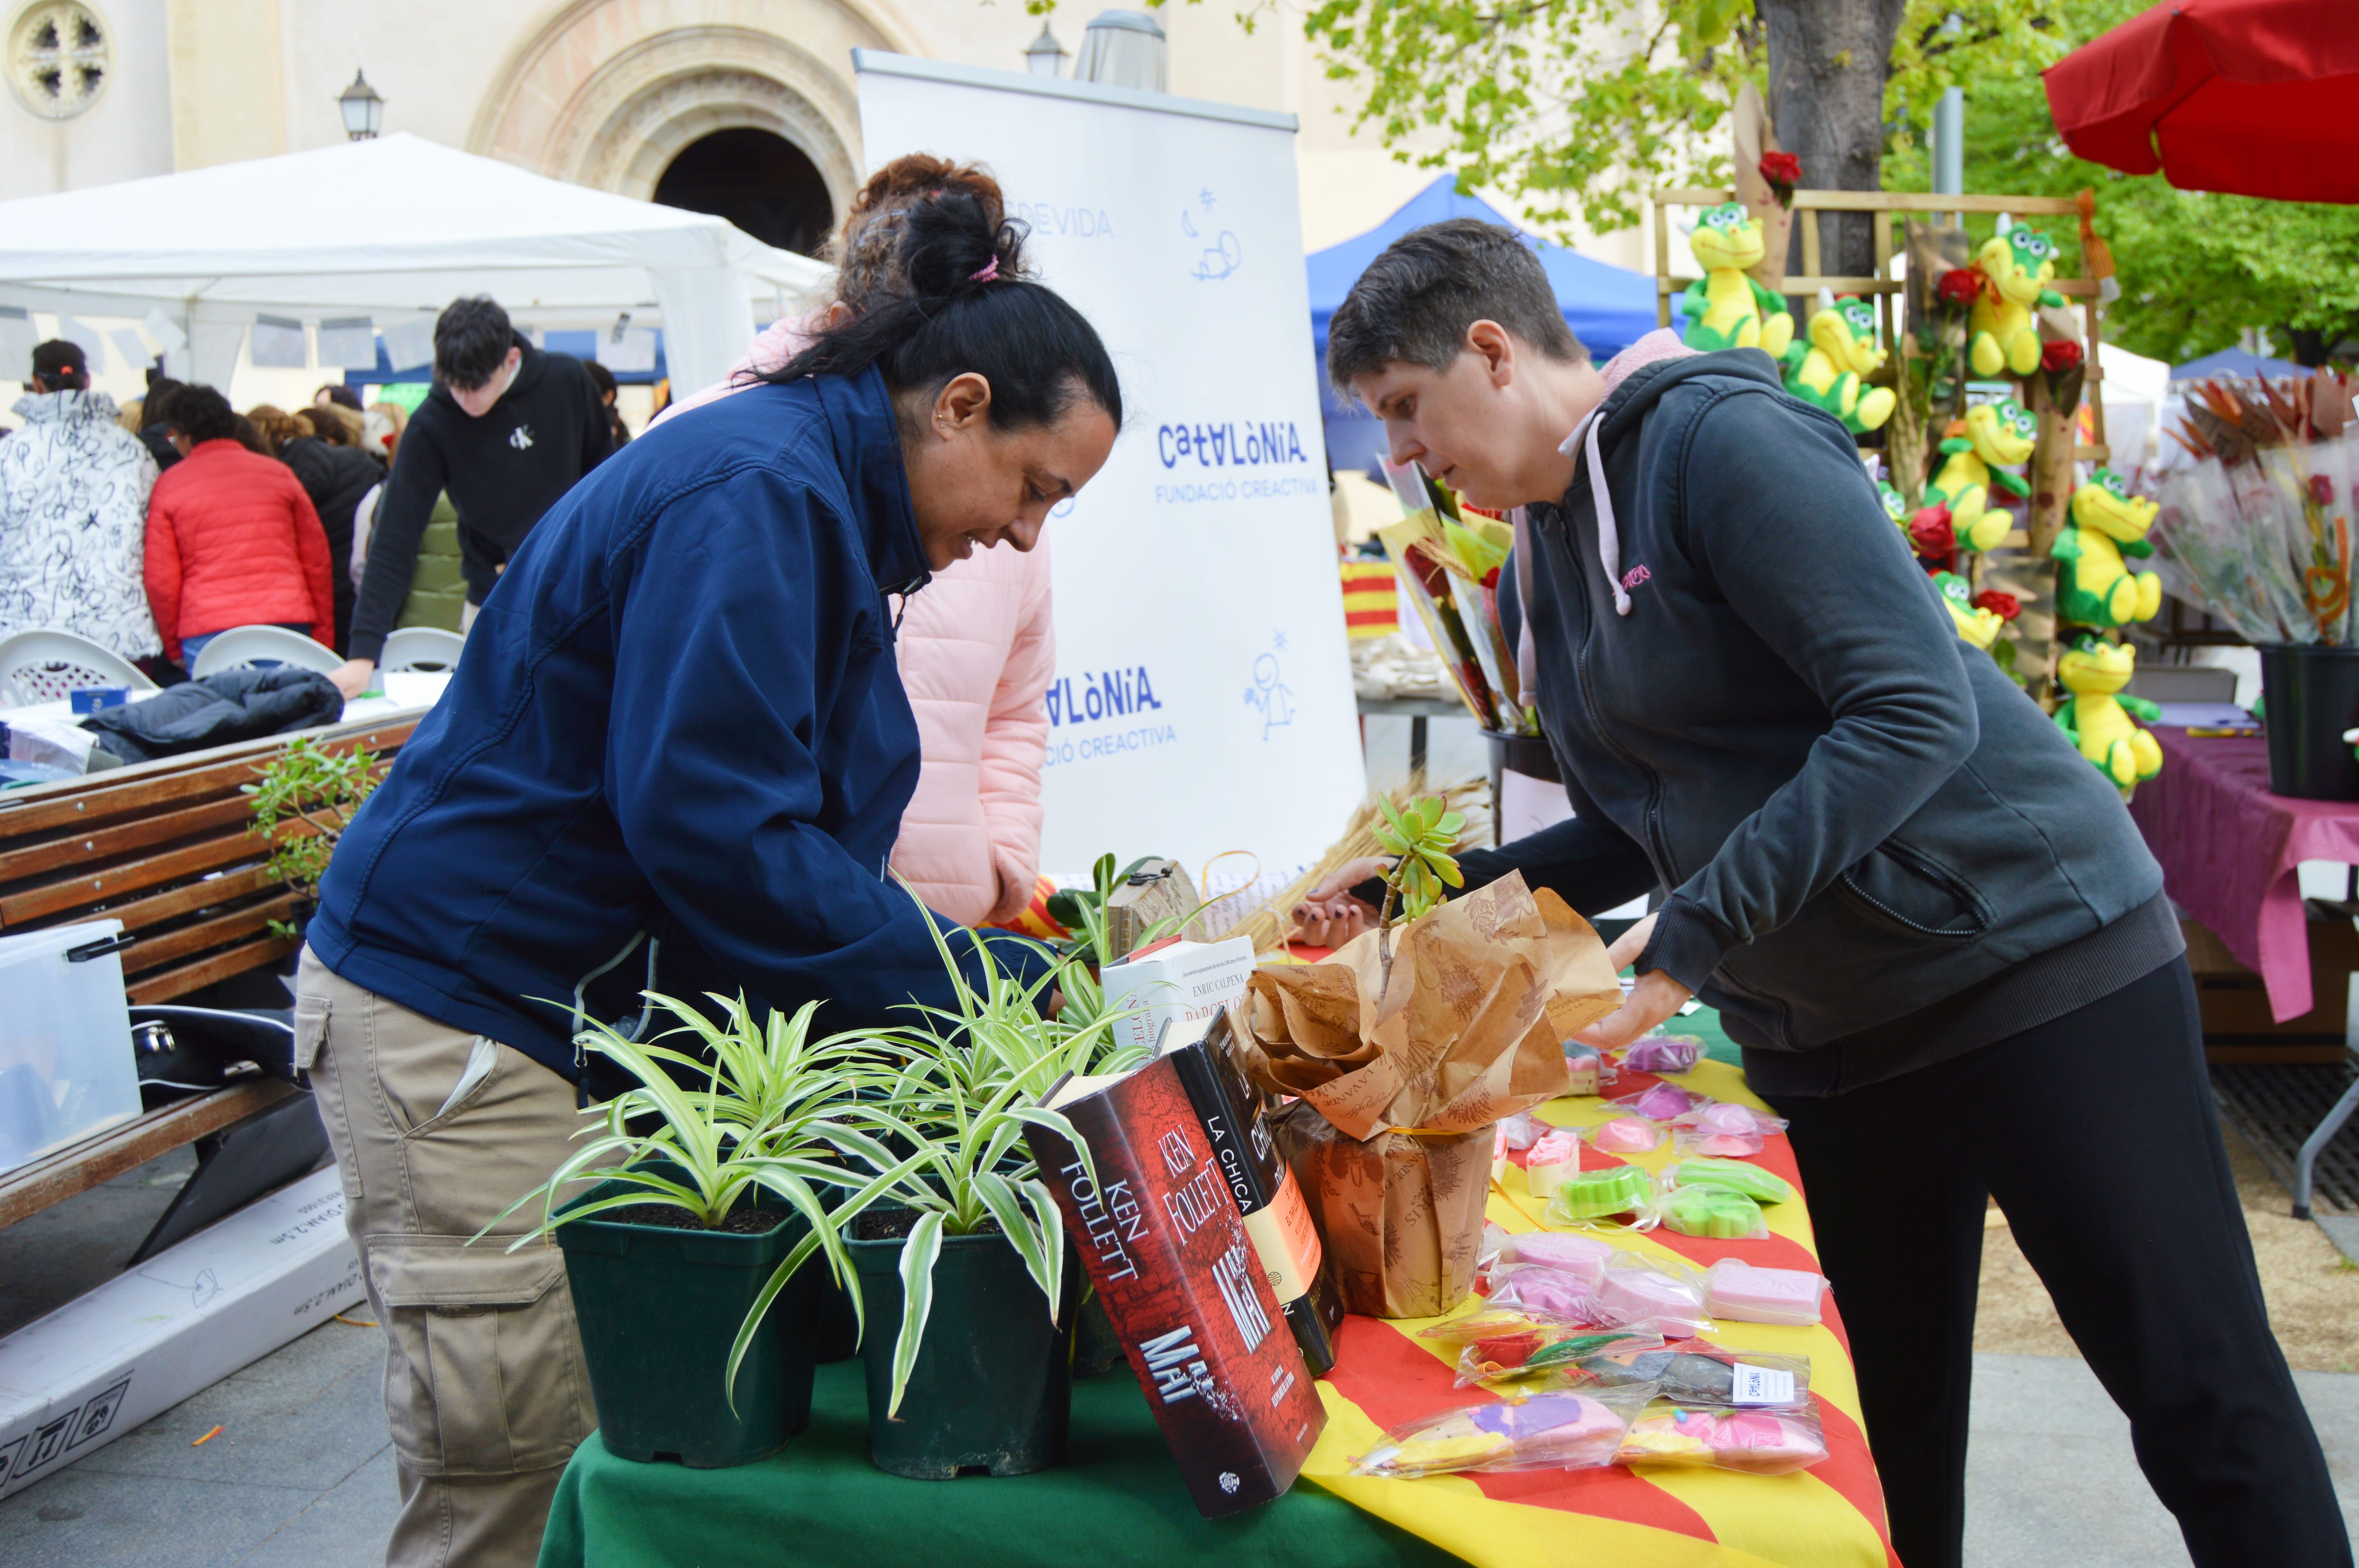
(363, 111)
(1046, 56)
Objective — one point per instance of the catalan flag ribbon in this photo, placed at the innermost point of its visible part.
(1033, 919)
(1371, 600)
(1831, 1515)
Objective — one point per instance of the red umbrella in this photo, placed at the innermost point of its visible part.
(2255, 97)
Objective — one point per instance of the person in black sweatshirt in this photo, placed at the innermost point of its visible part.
(506, 431)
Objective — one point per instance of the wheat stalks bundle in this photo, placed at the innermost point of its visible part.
(1268, 924)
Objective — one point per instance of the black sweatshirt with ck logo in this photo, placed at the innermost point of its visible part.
(503, 471)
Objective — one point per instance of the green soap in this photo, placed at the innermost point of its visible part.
(1593, 1194)
(1711, 1211)
(1760, 1185)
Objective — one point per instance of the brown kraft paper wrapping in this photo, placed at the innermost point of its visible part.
(1392, 1143)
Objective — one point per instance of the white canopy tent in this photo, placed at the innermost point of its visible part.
(392, 228)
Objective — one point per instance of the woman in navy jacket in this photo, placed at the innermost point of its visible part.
(676, 754)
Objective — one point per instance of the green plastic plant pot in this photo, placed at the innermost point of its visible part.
(991, 1390)
(659, 1308)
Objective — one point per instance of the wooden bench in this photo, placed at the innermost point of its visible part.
(163, 847)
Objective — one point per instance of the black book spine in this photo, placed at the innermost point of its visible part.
(1276, 1219)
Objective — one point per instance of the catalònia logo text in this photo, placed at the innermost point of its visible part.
(1109, 694)
(1230, 444)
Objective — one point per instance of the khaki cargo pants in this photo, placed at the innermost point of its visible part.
(435, 1132)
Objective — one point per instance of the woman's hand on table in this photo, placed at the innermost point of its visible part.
(1655, 997)
(352, 677)
(1331, 917)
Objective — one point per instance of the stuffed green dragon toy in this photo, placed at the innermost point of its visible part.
(1895, 506)
(1726, 309)
(1975, 625)
(2093, 587)
(1830, 369)
(2016, 266)
(2098, 720)
(1994, 436)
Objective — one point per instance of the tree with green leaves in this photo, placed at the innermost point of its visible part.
(1585, 106)
(1421, 838)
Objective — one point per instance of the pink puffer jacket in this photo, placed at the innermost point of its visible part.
(976, 650)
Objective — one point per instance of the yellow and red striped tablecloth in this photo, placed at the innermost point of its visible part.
(1831, 1515)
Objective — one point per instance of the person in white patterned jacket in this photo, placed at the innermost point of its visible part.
(73, 513)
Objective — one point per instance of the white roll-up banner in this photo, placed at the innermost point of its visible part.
(1202, 700)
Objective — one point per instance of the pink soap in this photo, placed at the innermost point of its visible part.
(1738, 1290)
(1630, 1294)
(1579, 1256)
(1627, 1135)
(1559, 1295)
(1520, 1131)
(1662, 1102)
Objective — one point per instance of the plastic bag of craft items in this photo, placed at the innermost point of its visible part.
(1588, 1068)
(1760, 1185)
(1663, 1102)
(1582, 1257)
(1552, 1162)
(1760, 1442)
(1519, 1358)
(1533, 1287)
(1664, 1054)
(1634, 1288)
(1624, 1135)
(1520, 1131)
(1550, 1431)
(1718, 1129)
(1509, 1336)
(1620, 1197)
(1734, 1289)
(1713, 1212)
(1687, 1371)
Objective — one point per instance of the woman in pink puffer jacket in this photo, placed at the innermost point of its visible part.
(976, 647)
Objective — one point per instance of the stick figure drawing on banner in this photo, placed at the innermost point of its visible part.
(1271, 695)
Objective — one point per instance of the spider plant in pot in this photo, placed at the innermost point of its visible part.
(716, 1178)
(970, 1267)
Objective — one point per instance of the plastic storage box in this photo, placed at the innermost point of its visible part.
(65, 1062)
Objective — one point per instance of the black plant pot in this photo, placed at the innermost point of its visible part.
(659, 1308)
(991, 1390)
(1097, 1349)
(2311, 697)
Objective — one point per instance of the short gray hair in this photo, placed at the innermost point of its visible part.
(1414, 302)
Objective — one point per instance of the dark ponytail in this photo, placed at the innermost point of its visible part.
(963, 305)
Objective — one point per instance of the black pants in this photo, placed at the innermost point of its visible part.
(2097, 1136)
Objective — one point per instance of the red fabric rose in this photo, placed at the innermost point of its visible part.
(2062, 354)
(1931, 533)
(2321, 490)
(1781, 169)
(2006, 606)
(1959, 286)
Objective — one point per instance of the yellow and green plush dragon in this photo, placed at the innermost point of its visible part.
(1998, 436)
(2096, 720)
(1975, 625)
(1830, 369)
(2015, 265)
(1726, 309)
(2093, 587)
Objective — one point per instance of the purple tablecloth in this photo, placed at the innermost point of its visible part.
(2231, 852)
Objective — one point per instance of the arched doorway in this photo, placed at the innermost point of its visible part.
(758, 180)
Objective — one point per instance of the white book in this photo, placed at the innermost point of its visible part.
(1178, 983)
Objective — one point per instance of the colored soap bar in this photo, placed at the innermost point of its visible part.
(1627, 1135)
(1662, 1102)
(1581, 1256)
(1737, 1290)
(1760, 1185)
(1664, 1054)
(1594, 1194)
(1633, 1294)
(1714, 1212)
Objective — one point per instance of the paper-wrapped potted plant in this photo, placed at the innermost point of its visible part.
(1405, 1047)
(965, 1265)
(717, 1177)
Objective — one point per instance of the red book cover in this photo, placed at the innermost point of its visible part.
(1183, 1287)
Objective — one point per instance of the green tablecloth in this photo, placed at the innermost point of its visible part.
(1115, 1499)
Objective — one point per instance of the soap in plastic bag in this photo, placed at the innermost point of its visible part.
(1663, 1102)
(1624, 1135)
(1721, 1130)
(1554, 1160)
(1762, 1442)
(1689, 1372)
(1581, 1256)
(1760, 1185)
(1664, 1054)
(1545, 1357)
(1621, 1195)
(1734, 1289)
(1635, 1289)
(1713, 1212)
(1587, 1069)
(1560, 1431)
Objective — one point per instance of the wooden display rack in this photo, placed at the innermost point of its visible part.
(2021, 559)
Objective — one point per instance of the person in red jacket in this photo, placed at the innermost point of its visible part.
(233, 540)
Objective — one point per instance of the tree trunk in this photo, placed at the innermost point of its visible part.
(1828, 62)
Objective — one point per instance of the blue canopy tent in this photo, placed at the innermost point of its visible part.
(2234, 362)
(1607, 307)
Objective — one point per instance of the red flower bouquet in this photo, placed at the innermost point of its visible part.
(2059, 355)
(1932, 534)
(2006, 606)
(1783, 171)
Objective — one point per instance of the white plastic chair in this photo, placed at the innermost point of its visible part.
(244, 647)
(48, 665)
(427, 648)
